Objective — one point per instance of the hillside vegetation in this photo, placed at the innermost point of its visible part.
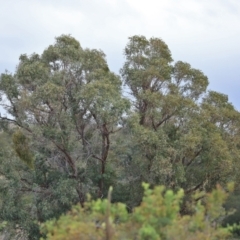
(69, 131)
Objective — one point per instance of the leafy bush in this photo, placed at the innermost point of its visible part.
(156, 218)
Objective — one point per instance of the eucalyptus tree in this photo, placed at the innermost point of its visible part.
(181, 133)
(63, 107)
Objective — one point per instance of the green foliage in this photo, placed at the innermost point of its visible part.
(235, 230)
(232, 206)
(181, 135)
(21, 147)
(2, 225)
(68, 121)
(156, 218)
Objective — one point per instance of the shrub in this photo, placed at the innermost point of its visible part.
(156, 218)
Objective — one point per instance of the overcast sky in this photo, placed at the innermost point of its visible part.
(204, 33)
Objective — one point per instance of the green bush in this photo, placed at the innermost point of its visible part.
(157, 218)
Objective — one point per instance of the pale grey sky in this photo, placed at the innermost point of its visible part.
(204, 33)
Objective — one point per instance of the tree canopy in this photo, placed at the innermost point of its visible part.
(69, 131)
